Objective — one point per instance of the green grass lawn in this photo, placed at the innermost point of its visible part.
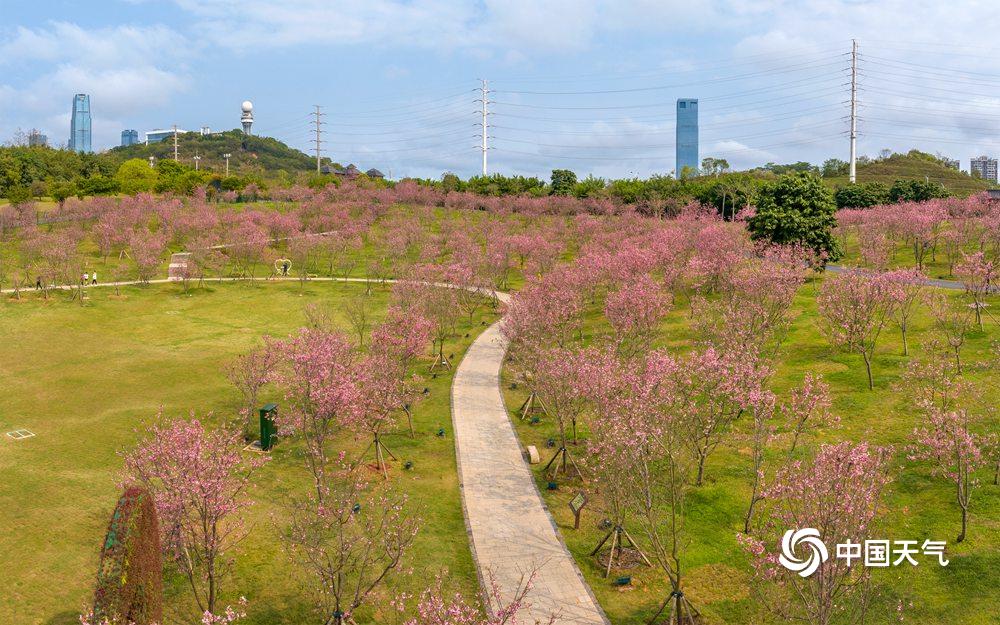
(86, 380)
(917, 505)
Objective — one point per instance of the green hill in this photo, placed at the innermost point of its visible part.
(915, 165)
(249, 154)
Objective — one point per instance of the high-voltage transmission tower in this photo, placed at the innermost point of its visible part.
(175, 143)
(318, 122)
(485, 101)
(854, 111)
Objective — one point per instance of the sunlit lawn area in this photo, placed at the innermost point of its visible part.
(86, 380)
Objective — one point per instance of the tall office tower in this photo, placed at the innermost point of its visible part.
(79, 126)
(985, 166)
(687, 136)
(130, 137)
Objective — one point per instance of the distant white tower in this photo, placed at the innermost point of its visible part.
(247, 117)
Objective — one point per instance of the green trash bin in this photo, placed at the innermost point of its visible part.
(268, 431)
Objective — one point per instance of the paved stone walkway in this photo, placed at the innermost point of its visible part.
(935, 282)
(510, 529)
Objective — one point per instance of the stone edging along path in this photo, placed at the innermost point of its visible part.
(511, 532)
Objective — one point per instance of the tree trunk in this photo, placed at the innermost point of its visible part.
(749, 516)
(965, 522)
(868, 368)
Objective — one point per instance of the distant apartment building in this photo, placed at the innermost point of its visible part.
(37, 139)
(129, 137)
(687, 136)
(985, 167)
(79, 125)
(951, 162)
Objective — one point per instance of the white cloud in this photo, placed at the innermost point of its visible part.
(125, 69)
(103, 47)
(739, 155)
(521, 27)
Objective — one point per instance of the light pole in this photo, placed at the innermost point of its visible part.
(152, 161)
(197, 159)
(226, 156)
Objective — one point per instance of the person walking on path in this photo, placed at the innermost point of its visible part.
(93, 278)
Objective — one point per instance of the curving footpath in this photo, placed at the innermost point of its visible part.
(509, 527)
(510, 530)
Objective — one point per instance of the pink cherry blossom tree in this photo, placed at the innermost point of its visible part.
(932, 379)
(635, 310)
(497, 606)
(954, 451)
(358, 310)
(838, 494)
(350, 540)
(199, 480)
(146, 250)
(303, 248)
(249, 373)
(952, 321)
(400, 339)
(751, 312)
(382, 392)
(808, 408)
(557, 382)
(760, 435)
(425, 295)
(657, 456)
(854, 307)
(710, 392)
(247, 243)
(981, 277)
(875, 246)
(318, 376)
(612, 389)
(907, 291)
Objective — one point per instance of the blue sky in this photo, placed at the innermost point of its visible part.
(584, 84)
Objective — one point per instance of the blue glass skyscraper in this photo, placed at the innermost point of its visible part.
(79, 125)
(687, 135)
(130, 137)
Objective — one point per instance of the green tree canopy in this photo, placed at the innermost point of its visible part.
(916, 191)
(562, 181)
(798, 209)
(862, 195)
(833, 167)
(136, 176)
(711, 166)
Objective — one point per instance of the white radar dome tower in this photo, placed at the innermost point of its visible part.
(247, 117)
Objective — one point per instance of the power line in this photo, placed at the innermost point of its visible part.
(708, 81)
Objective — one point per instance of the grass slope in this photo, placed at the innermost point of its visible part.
(87, 379)
(907, 167)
